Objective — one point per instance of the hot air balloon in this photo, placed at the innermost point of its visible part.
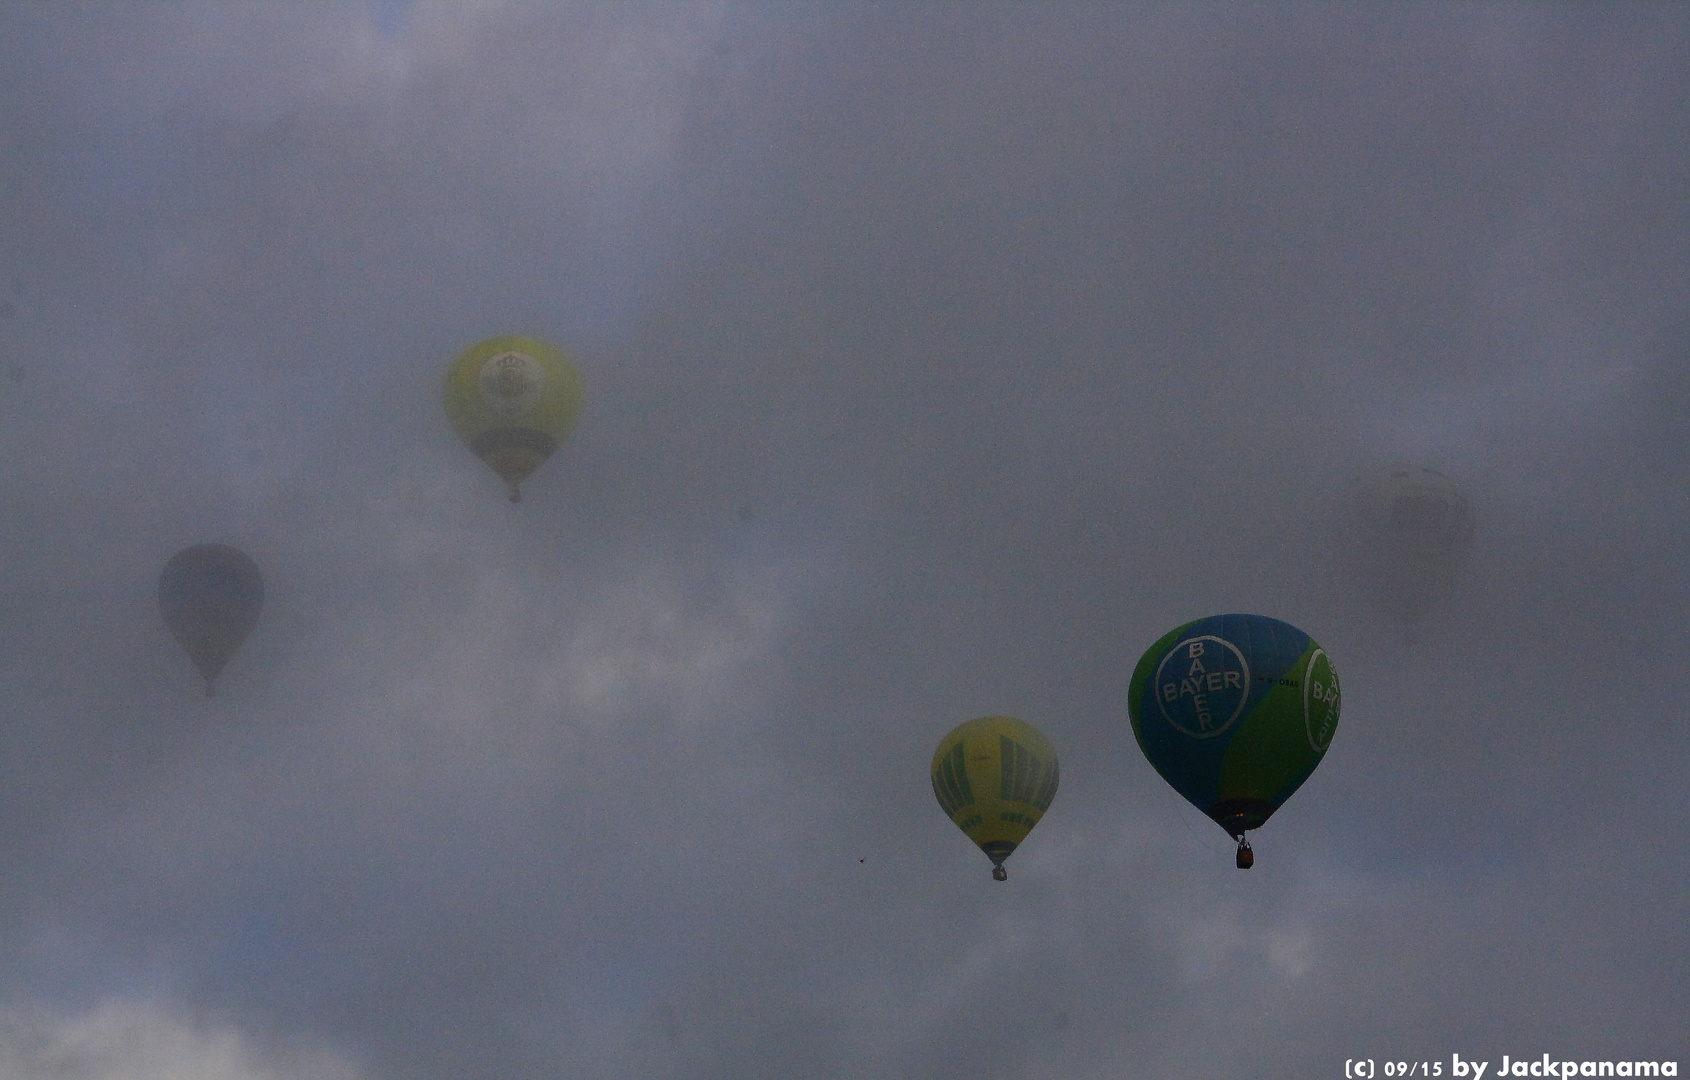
(513, 400)
(1235, 712)
(1408, 531)
(210, 595)
(995, 777)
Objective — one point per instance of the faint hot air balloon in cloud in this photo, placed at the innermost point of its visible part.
(1407, 532)
(512, 400)
(995, 776)
(210, 596)
(1235, 712)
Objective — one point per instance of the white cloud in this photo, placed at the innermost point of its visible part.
(137, 1041)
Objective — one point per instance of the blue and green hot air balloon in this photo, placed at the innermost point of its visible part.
(1235, 712)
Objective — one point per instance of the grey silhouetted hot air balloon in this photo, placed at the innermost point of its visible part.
(210, 596)
(1408, 532)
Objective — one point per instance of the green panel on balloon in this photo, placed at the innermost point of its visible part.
(1235, 712)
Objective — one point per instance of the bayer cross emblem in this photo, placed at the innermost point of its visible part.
(510, 384)
(1320, 700)
(1201, 685)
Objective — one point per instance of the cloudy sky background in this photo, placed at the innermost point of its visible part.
(938, 361)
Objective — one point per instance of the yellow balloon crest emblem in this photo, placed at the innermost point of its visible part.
(995, 776)
(512, 400)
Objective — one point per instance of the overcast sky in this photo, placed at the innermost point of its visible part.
(938, 360)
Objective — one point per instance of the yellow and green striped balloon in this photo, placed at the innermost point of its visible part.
(995, 776)
(512, 400)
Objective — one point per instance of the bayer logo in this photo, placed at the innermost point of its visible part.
(510, 384)
(1321, 701)
(1201, 685)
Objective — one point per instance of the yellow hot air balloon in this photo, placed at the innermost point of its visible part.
(995, 777)
(513, 400)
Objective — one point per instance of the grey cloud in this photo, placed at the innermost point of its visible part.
(938, 361)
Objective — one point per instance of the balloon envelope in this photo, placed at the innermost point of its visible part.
(512, 400)
(1408, 532)
(1235, 712)
(995, 777)
(210, 596)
